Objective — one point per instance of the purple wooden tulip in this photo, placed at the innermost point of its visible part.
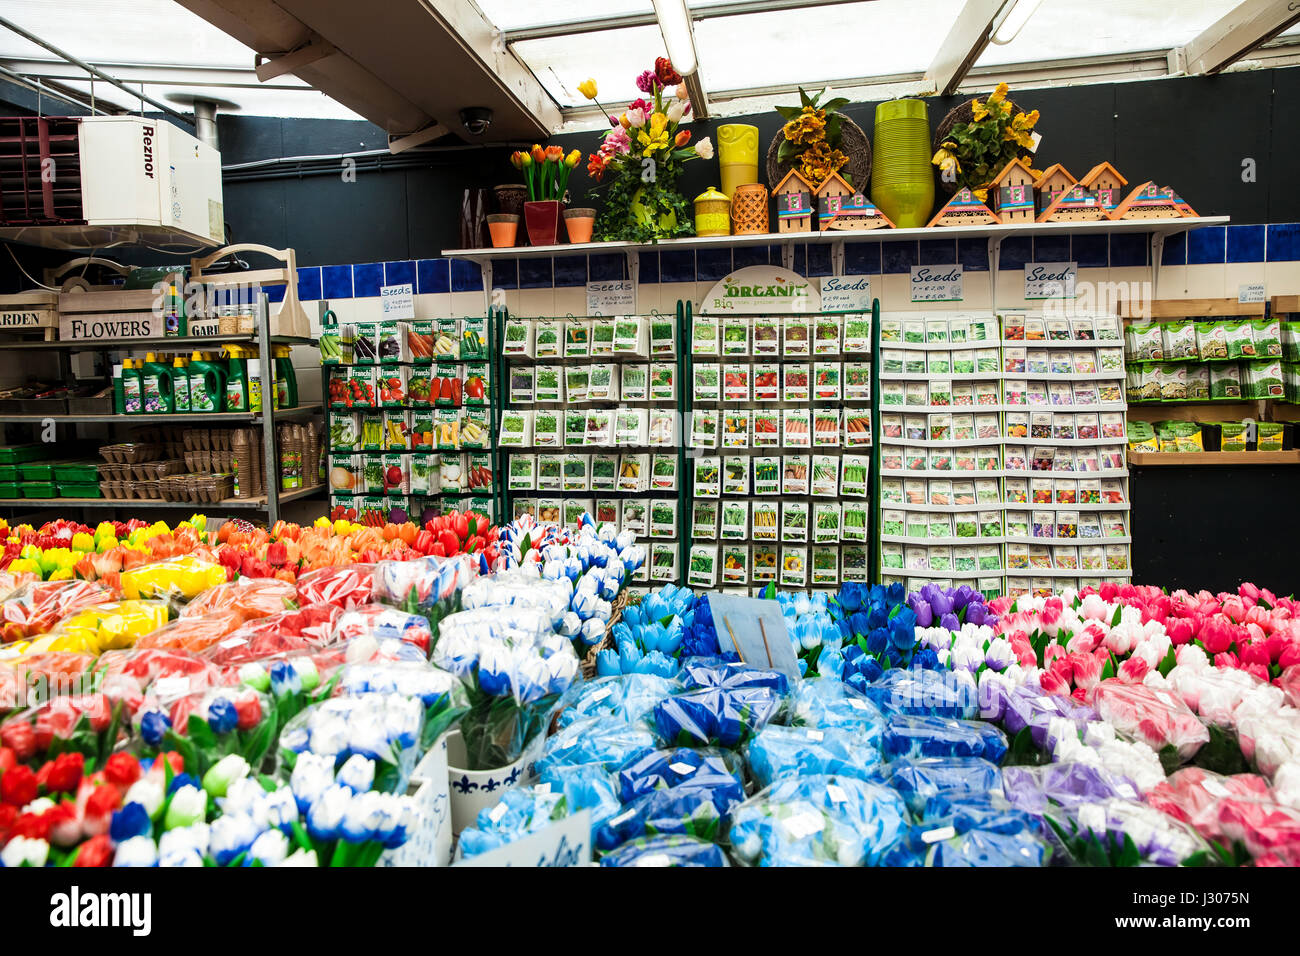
(919, 606)
(962, 596)
(941, 604)
(950, 621)
(976, 614)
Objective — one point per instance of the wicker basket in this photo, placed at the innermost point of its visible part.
(749, 210)
(964, 113)
(854, 144)
(607, 642)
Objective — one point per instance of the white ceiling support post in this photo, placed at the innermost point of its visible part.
(787, 255)
(1239, 31)
(398, 144)
(837, 257)
(961, 48)
(268, 66)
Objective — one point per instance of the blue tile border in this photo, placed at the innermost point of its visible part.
(1211, 245)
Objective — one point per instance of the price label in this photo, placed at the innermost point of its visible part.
(601, 694)
(654, 859)
(803, 825)
(398, 301)
(937, 834)
(836, 794)
(613, 297)
(937, 283)
(497, 812)
(816, 736)
(1050, 280)
(1250, 292)
(681, 769)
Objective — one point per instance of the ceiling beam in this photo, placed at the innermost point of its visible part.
(967, 38)
(699, 99)
(270, 67)
(736, 8)
(1239, 31)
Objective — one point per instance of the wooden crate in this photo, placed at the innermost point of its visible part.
(30, 312)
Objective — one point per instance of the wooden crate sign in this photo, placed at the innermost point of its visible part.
(110, 325)
(32, 317)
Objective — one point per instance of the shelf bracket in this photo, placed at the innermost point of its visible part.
(270, 460)
(1157, 253)
(995, 258)
(837, 258)
(486, 268)
(787, 255)
(634, 274)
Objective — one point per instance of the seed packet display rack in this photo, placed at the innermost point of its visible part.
(573, 415)
(793, 529)
(395, 440)
(996, 440)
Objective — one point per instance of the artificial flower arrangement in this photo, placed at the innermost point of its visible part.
(546, 171)
(642, 156)
(975, 152)
(811, 137)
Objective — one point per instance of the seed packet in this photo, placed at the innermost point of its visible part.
(705, 382)
(959, 329)
(892, 393)
(1262, 379)
(916, 524)
(1058, 330)
(735, 520)
(857, 332)
(708, 477)
(705, 332)
(1225, 380)
(990, 525)
(1113, 526)
(1017, 524)
(1091, 558)
(986, 360)
(963, 559)
(518, 337)
(963, 427)
(763, 563)
(1059, 394)
(1089, 524)
(632, 426)
(914, 459)
(940, 558)
(475, 429)
(602, 336)
(914, 331)
(766, 383)
(795, 336)
(963, 493)
(735, 475)
(794, 567)
(1067, 524)
(857, 381)
(916, 558)
(1267, 337)
(857, 427)
(1040, 556)
(576, 470)
(1013, 327)
(604, 472)
(703, 571)
(914, 427)
(794, 474)
(578, 335)
(826, 428)
(1112, 425)
(1211, 341)
(735, 383)
(987, 458)
(735, 335)
(891, 556)
(1198, 382)
(854, 520)
(893, 522)
(1066, 491)
(966, 524)
(663, 336)
(1037, 362)
(765, 521)
(826, 335)
(1269, 436)
(826, 522)
(575, 427)
(735, 428)
(892, 425)
(735, 564)
(550, 472)
(1040, 423)
(577, 379)
(1088, 460)
(940, 393)
(766, 429)
(1241, 342)
(914, 491)
(853, 476)
(547, 383)
(603, 383)
(663, 382)
(940, 427)
(1085, 362)
(825, 475)
(963, 394)
(1063, 427)
(891, 489)
(794, 521)
(1086, 393)
(1112, 360)
(891, 329)
(794, 382)
(1015, 392)
(963, 362)
(1064, 461)
(1178, 339)
(938, 362)
(936, 330)
(767, 335)
(893, 361)
(1035, 329)
(796, 427)
(1083, 329)
(826, 381)
(990, 559)
(663, 472)
(915, 394)
(1017, 491)
(704, 519)
(1116, 557)
(1065, 558)
(941, 459)
(1145, 342)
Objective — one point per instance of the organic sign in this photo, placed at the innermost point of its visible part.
(759, 290)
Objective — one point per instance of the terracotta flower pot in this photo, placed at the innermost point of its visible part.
(504, 229)
(543, 221)
(579, 223)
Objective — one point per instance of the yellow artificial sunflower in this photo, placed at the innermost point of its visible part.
(809, 127)
(980, 110)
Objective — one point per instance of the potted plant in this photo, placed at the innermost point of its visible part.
(546, 174)
(976, 140)
(579, 224)
(640, 159)
(817, 140)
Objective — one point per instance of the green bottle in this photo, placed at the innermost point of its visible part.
(207, 384)
(180, 385)
(236, 380)
(132, 393)
(286, 382)
(156, 386)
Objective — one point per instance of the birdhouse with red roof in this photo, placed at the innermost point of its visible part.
(1150, 201)
(1055, 180)
(1011, 194)
(794, 209)
(1105, 180)
(964, 209)
(1076, 204)
(841, 208)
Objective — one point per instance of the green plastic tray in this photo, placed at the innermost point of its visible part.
(8, 472)
(42, 471)
(10, 489)
(77, 472)
(39, 489)
(80, 490)
(16, 453)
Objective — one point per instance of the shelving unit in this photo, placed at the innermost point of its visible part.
(268, 503)
(1145, 459)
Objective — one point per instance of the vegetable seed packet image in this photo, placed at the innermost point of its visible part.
(891, 489)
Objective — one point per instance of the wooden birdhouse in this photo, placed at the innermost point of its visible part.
(841, 208)
(1076, 204)
(1105, 180)
(964, 210)
(1183, 206)
(1011, 194)
(1055, 180)
(1149, 201)
(794, 209)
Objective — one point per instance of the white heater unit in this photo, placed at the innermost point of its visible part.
(104, 181)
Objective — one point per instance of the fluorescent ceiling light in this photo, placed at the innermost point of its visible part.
(675, 24)
(1014, 19)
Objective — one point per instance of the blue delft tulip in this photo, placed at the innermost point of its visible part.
(363, 815)
(187, 858)
(153, 725)
(908, 735)
(182, 780)
(325, 817)
(312, 775)
(229, 837)
(688, 809)
(878, 641)
(397, 819)
(131, 821)
(670, 849)
(269, 849)
(608, 663)
(604, 740)
(136, 851)
(778, 752)
(357, 773)
(665, 769)
(284, 680)
(277, 809)
(222, 717)
(829, 702)
(918, 779)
